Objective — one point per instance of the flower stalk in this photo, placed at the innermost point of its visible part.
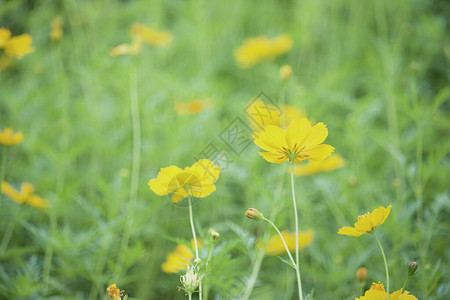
(297, 268)
(385, 264)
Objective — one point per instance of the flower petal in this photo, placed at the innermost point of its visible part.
(277, 158)
(318, 152)
(317, 135)
(350, 231)
(297, 132)
(160, 185)
(206, 171)
(271, 139)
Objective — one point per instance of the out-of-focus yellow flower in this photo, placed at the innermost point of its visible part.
(276, 247)
(126, 49)
(335, 161)
(197, 180)
(291, 113)
(191, 107)
(285, 72)
(261, 114)
(17, 46)
(115, 293)
(179, 259)
(367, 223)
(361, 274)
(151, 36)
(56, 31)
(9, 138)
(25, 195)
(299, 142)
(377, 292)
(262, 48)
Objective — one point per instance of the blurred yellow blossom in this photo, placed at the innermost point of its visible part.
(115, 293)
(192, 107)
(56, 31)
(377, 292)
(151, 36)
(261, 48)
(197, 180)
(368, 222)
(17, 46)
(9, 138)
(126, 49)
(24, 196)
(261, 114)
(179, 259)
(291, 113)
(335, 161)
(276, 247)
(285, 72)
(299, 142)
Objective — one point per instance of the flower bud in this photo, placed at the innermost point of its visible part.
(191, 280)
(214, 235)
(361, 274)
(253, 213)
(412, 268)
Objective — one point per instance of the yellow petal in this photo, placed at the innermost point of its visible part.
(18, 46)
(364, 224)
(297, 132)
(271, 139)
(166, 176)
(206, 171)
(201, 191)
(5, 34)
(178, 195)
(12, 193)
(273, 157)
(379, 215)
(318, 152)
(317, 135)
(350, 231)
(37, 201)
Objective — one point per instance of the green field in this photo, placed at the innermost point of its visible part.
(96, 128)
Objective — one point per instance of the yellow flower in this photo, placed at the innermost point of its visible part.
(56, 31)
(124, 49)
(300, 141)
(17, 46)
(368, 222)
(115, 293)
(24, 196)
(151, 36)
(192, 107)
(262, 48)
(335, 161)
(377, 292)
(276, 247)
(285, 72)
(179, 259)
(291, 113)
(9, 138)
(197, 181)
(261, 114)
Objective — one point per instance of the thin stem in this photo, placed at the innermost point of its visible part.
(191, 219)
(404, 285)
(2, 171)
(190, 296)
(297, 269)
(385, 264)
(282, 239)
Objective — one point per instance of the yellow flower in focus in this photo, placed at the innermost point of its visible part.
(151, 36)
(192, 107)
(17, 46)
(335, 161)
(377, 292)
(285, 72)
(368, 222)
(115, 293)
(9, 138)
(179, 259)
(24, 196)
(299, 142)
(56, 31)
(197, 180)
(126, 49)
(276, 247)
(262, 48)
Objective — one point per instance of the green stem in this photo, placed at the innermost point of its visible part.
(191, 219)
(2, 172)
(385, 264)
(190, 296)
(297, 269)
(284, 242)
(404, 285)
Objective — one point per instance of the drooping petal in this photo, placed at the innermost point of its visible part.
(166, 176)
(350, 231)
(317, 135)
(178, 195)
(380, 214)
(277, 158)
(201, 191)
(318, 152)
(206, 171)
(297, 132)
(271, 139)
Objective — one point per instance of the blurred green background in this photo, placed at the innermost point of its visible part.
(375, 72)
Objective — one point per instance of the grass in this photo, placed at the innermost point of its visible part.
(376, 72)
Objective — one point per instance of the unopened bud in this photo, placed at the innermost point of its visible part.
(412, 268)
(361, 274)
(253, 213)
(214, 235)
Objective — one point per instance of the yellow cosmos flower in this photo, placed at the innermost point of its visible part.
(276, 247)
(377, 292)
(299, 142)
(56, 31)
(115, 293)
(151, 36)
(368, 222)
(24, 196)
(192, 107)
(262, 48)
(179, 259)
(285, 72)
(126, 49)
(335, 161)
(197, 180)
(9, 138)
(290, 114)
(17, 46)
